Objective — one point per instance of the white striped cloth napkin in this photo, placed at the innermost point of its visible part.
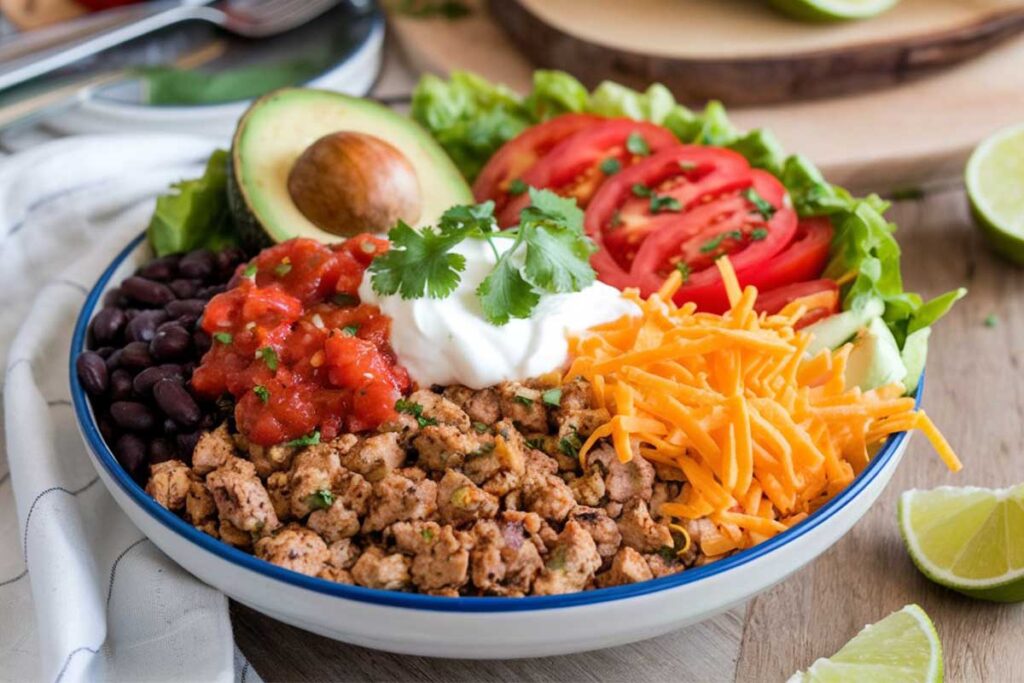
(83, 594)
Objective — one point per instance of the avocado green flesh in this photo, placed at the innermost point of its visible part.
(875, 359)
(277, 128)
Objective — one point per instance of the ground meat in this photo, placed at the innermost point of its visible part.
(588, 489)
(336, 575)
(440, 410)
(440, 553)
(582, 423)
(624, 480)
(377, 569)
(504, 561)
(270, 460)
(661, 494)
(212, 450)
(169, 484)
(443, 446)
(601, 528)
(639, 531)
(571, 564)
(334, 523)
(199, 506)
(507, 459)
(375, 456)
(277, 488)
(232, 535)
(544, 492)
(661, 566)
(315, 470)
(240, 497)
(343, 554)
(400, 498)
(294, 547)
(483, 406)
(628, 566)
(576, 395)
(523, 406)
(459, 500)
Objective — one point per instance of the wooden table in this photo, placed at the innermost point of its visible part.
(973, 392)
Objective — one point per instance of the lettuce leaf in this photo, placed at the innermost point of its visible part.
(471, 118)
(195, 213)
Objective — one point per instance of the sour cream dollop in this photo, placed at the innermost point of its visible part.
(448, 341)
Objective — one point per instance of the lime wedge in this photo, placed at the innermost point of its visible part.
(903, 647)
(832, 10)
(968, 539)
(995, 186)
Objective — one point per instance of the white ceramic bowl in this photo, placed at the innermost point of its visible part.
(470, 627)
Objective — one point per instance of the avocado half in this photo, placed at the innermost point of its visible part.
(279, 126)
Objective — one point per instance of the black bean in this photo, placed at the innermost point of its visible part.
(202, 341)
(108, 429)
(161, 450)
(147, 291)
(182, 307)
(170, 342)
(92, 372)
(114, 297)
(114, 359)
(184, 289)
(162, 269)
(130, 451)
(188, 368)
(176, 402)
(210, 292)
(209, 421)
(133, 416)
(120, 385)
(186, 444)
(105, 351)
(170, 427)
(144, 381)
(200, 263)
(107, 325)
(135, 356)
(143, 326)
(227, 260)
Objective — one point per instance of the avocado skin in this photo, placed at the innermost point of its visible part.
(249, 228)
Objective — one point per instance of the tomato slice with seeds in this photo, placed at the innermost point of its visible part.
(803, 259)
(775, 300)
(573, 167)
(520, 153)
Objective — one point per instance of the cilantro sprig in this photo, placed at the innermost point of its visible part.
(549, 254)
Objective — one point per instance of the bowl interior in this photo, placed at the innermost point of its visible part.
(136, 253)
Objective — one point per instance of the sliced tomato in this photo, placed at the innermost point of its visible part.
(804, 259)
(520, 153)
(775, 300)
(572, 168)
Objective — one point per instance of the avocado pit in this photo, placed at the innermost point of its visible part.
(346, 183)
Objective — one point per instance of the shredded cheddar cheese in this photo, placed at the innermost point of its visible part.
(762, 433)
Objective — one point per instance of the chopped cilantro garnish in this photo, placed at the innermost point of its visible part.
(517, 187)
(684, 269)
(427, 534)
(637, 144)
(758, 234)
(760, 203)
(641, 190)
(536, 443)
(480, 427)
(262, 392)
(344, 300)
(284, 267)
(552, 397)
(611, 166)
(310, 439)
(664, 203)
(350, 330)
(716, 241)
(223, 337)
(991, 320)
(616, 219)
(416, 410)
(269, 357)
(321, 500)
(525, 400)
(570, 445)
(250, 270)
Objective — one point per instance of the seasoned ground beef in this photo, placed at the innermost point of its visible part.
(466, 493)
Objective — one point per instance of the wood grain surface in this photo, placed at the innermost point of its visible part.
(973, 392)
(742, 52)
(917, 134)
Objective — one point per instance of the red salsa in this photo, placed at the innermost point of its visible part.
(296, 348)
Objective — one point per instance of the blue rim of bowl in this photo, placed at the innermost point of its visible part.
(376, 32)
(137, 494)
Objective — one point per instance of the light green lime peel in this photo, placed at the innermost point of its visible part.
(832, 10)
(995, 186)
(968, 539)
(902, 647)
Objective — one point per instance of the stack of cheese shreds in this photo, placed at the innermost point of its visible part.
(763, 433)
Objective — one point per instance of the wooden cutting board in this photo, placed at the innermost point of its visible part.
(895, 138)
(742, 52)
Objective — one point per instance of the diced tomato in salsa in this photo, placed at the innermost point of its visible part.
(295, 347)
